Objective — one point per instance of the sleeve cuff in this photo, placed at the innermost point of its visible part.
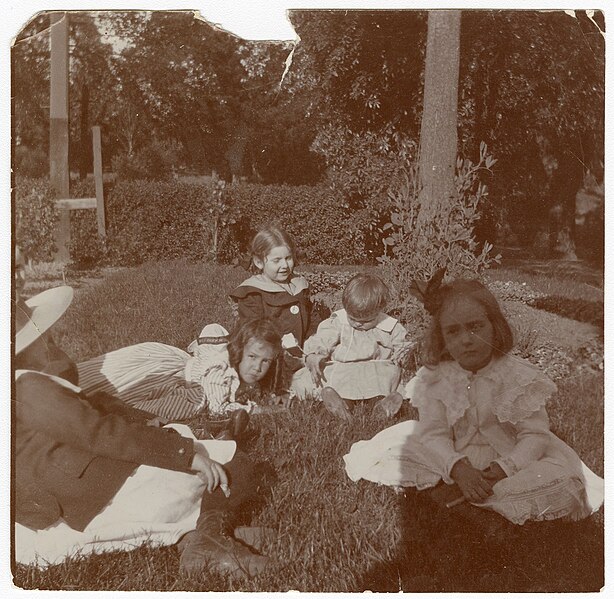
(507, 465)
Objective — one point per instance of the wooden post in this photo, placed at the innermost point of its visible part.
(58, 126)
(100, 215)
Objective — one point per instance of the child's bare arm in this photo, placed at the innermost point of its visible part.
(326, 338)
(320, 346)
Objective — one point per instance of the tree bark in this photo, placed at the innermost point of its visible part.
(438, 133)
(566, 182)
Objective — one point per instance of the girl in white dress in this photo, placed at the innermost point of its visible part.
(483, 428)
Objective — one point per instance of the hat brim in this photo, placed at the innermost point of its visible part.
(47, 308)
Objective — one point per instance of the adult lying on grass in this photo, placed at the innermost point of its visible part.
(215, 375)
(483, 438)
(91, 475)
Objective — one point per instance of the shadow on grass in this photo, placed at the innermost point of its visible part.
(441, 552)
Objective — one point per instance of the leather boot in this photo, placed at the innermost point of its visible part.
(212, 546)
(239, 419)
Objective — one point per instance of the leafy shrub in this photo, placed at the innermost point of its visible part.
(574, 308)
(35, 218)
(86, 248)
(31, 162)
(327, 281)
(361, 167)
(418, 249)
(156, 160)
(155, 220)
(326, 231)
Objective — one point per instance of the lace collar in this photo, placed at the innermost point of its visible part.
(516, 388)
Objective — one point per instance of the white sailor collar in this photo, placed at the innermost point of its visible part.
(297, 284)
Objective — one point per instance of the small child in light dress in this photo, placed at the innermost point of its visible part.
(483, 433)
(175, 385)
(354, 355)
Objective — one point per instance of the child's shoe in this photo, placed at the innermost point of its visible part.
(389, 406)
(334, 403)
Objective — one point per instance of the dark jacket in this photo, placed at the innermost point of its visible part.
(290, 313)
(73, 452)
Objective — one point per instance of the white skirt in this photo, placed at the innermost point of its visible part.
(558, 486)
(352, 380)
(154, 505)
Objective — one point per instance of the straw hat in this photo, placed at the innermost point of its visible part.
(38, 314)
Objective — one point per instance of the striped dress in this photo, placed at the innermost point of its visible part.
(164, 380)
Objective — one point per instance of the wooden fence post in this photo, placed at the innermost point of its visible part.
(65, 205)
(100, 214)
(58, 126)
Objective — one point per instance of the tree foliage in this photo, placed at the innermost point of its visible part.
(346, 109)
(531, 86)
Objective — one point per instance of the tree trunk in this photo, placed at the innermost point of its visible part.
(438, 133)
(566, 182)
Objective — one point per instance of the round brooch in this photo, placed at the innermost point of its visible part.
(294, 309)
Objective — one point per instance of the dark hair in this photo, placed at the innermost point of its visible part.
(261, 329)
(503, 339)
(267, 239)
(364, 295)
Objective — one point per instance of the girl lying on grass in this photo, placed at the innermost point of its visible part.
(483, 435)
(354, 355)
(214, 377)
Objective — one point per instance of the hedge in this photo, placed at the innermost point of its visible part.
(35, 218)
(164, 220)
(325, 230)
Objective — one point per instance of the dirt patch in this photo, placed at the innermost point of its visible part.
(79, 280)
(578, 270)
(551, 328)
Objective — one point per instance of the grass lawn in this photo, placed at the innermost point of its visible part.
(332, 534)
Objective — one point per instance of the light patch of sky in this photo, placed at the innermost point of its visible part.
(108, 34)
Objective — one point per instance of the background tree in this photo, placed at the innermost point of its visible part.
(531, 87)
(438, 135)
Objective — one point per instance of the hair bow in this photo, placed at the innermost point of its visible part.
(428, 291)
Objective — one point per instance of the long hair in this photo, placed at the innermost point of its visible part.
(267, 239)
(259, 329)
(364, 295)
(503, 340)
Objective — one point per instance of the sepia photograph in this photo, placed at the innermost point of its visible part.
(320, 312)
